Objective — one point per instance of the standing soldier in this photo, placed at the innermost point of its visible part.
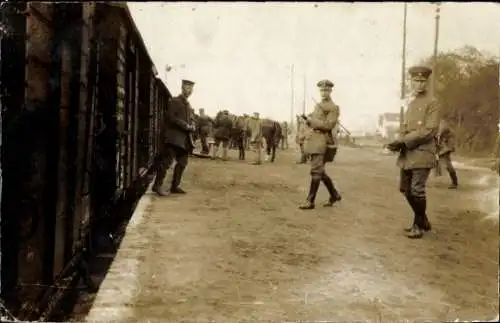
(446, 145)
(299, 139)
(317, 143)
(285, 131)
(255, 125)
(204, 129)
(222, 133)
(417, 149)
(178, 140)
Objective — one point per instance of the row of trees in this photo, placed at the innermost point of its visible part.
(468, 91)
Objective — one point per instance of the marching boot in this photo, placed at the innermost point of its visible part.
(454, 180)
(422, 223)
(311, 197)
(159, 178)
(334, 194)
(176, 180)
(411, 202)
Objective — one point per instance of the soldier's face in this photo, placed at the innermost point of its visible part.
(325, 92)
(187, 90)
(419, 85)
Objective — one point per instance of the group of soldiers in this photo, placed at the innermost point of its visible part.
(423, 136)
(243, 132)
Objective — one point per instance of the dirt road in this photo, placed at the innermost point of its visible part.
(237, 248)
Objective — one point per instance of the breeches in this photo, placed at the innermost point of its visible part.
(171, 153)
(223, 141)
(445, 160)
(413, 181)
(317, 165)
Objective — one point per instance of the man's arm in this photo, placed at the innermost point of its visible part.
(328, 124)
(172, 114)
(426, 132)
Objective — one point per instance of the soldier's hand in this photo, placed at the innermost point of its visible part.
(396, 145)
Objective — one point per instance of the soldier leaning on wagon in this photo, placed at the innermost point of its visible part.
(222, 133)
(318, 143)
(417, 147)
(446, 146)
(204, 126)
(255, 126)
(177, 141)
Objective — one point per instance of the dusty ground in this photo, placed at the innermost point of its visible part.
(237, 248)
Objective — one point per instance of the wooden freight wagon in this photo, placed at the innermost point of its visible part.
(44, 206)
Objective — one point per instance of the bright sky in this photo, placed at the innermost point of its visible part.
(240, 54)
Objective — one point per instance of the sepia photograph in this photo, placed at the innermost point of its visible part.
(249, 161)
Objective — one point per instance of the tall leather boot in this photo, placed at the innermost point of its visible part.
(334, 194)
(411, 202)
(454, 179)
(161, 172)
(422, 222)
(176, 180)
(311, 197)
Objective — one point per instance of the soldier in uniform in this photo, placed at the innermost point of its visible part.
(204, 128)
(222, 133)
(417, 149)
(255, 126)
(285, 131)
(446, 145)
(321, 122)
(299, 139)
(178, 140)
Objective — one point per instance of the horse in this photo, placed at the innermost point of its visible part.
(272, 133)
(238, 135)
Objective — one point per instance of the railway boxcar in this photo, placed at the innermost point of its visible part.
(81, 121)
(44, 82)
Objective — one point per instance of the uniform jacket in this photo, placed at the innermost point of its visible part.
(418, 132)
(301, 131)
(223, 125)
(179, 116)
(204, 125)
(323, 120)
(285, 131)
(255, 126)
(446, 140)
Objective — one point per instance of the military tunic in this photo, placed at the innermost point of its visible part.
(255, 126)
(446, 146)
(177, 141)
(418, 133)
(322, 120)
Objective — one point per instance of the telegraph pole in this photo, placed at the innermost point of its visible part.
(436, 38)
(403, 66)
(304, 101)
(292, 70)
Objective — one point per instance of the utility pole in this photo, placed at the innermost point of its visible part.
(436, 38)
(292, 73)
(304, 101)
(403, 67)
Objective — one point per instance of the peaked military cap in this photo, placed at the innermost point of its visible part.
(420, 72)
(325, 83)
(187, 82)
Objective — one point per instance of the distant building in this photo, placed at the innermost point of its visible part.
(388, 125)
